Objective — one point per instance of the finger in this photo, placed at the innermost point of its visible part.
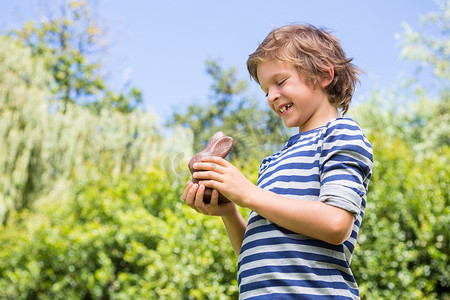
(208, 166)
(207, 175)
(199, 204)
(214, 200)
(190, 197)
(217, 160)
(210, 184)
(186, 190)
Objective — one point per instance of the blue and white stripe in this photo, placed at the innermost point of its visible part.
(332, 164)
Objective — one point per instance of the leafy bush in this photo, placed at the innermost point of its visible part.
(42, 145)
(116, 239)
(403, 246)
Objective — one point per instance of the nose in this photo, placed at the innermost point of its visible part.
(272, 95)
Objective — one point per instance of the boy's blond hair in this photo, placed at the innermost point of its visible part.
(313, 51)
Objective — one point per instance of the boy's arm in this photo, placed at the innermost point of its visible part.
(235, 226)
(231, 217)
(315, 219)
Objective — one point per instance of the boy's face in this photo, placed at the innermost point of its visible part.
(289, 97)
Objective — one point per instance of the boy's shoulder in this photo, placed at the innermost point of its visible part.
(342, 123)
(334, 128)
(344, 130)
(346, 133)
(342, 127)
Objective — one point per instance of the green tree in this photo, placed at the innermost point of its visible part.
(24, 94)
(72, 41)
(429, 48)
(429, 45)
(403, 248)
(42, 148)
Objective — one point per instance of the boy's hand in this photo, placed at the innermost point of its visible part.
(221, 175)
(193, 196)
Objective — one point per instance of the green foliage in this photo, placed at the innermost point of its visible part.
(23, 107)
(116, 238)
(403, 246)
(430, 45)
(257, 131)
(41, 146)
(71, 42)
(93, 193)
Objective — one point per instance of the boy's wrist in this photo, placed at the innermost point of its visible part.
(231, 215)
(249, 198)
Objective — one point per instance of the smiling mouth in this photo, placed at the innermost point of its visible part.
(284, 108)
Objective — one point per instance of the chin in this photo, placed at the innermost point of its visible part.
(290, 124)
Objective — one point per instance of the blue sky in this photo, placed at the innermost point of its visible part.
(162, 46)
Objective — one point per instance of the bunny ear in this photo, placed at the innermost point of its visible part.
(222, 146)
(214, 138)
(218, 145)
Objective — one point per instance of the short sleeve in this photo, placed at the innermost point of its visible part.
(345, 166)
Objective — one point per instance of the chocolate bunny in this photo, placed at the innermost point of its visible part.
(218, 145)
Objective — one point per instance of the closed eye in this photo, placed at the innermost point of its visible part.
(281, 82)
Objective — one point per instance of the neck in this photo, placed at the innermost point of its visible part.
(320, 118)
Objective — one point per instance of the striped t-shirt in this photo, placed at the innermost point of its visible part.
(332, 164)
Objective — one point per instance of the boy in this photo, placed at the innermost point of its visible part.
(310, 198)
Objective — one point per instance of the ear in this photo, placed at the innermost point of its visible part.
(222, 146)
(327, 80)
(216, 136)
